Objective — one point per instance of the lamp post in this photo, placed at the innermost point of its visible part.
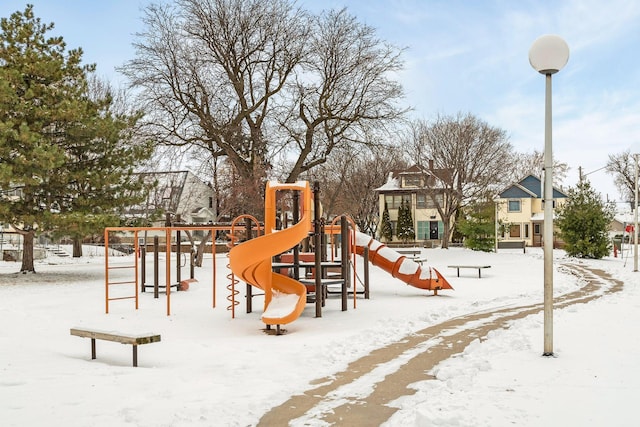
(496, 200)
(548, 55)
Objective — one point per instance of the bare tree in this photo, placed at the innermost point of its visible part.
(465, 158)
(258, 82)
(348, 187)
(341, 92)
(209, 70)
(622, 167)
(367, 174)
(533, 164)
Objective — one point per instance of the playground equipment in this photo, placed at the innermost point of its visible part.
(252, 261)
(285, 297)
(233, 281)
(139, 269)
(400, 266)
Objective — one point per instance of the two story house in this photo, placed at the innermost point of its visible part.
(178, 193)
(415, 186)
(520, 211)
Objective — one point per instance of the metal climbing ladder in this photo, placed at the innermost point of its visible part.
(109, 283)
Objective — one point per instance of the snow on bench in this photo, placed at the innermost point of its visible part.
(134, 340)
(479, 267)
(412, 254)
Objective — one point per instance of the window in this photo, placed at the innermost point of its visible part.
(526, 231)
(424, 201)
(514, 206)
(421, 201)
(423, 230)
(514, 230)
(394, 201)
(412, 181)
(431, 204)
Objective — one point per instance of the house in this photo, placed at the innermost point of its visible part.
(520, 209)
(621, 223)
(415, 186)
(178, 193)
(622, 226)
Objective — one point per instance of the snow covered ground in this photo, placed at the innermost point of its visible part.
(212, 370)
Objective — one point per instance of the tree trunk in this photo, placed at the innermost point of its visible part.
(201, 247)
(446, 232)
(77, 247)
(27, 252)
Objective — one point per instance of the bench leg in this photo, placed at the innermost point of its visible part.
(93, 348)
(135, 355)
(458, 272)
(479, 273)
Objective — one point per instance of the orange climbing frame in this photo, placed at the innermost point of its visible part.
(168, 232)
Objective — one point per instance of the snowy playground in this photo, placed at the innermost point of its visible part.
(210, 369)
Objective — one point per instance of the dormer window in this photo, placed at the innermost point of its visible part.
(412, 181)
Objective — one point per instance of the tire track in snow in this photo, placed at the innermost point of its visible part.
(361, 394)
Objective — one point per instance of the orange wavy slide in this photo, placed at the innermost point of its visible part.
(285, 298)
(400, 266)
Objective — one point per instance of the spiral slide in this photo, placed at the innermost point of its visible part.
(400, 266)
(285, 298)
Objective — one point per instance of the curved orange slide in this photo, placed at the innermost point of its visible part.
(285, 298)
(400, 266)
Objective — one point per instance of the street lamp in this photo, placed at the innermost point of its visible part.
(548, 55)
(496, 200)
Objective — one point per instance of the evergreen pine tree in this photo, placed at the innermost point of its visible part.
(411, 232)
(400, 222)
(478, 227)
(65, 154)
(584, 222)
(405, 230)
(386, 231)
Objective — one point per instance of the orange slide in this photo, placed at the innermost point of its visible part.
(285, 298)
(400, 266)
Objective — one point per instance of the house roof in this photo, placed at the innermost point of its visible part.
(392, 183)
(394, 178)
(528, 187)
(170, 185)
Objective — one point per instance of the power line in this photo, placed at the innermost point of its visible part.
(589, 173)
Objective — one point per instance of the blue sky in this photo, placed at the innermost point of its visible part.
(462, 56)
